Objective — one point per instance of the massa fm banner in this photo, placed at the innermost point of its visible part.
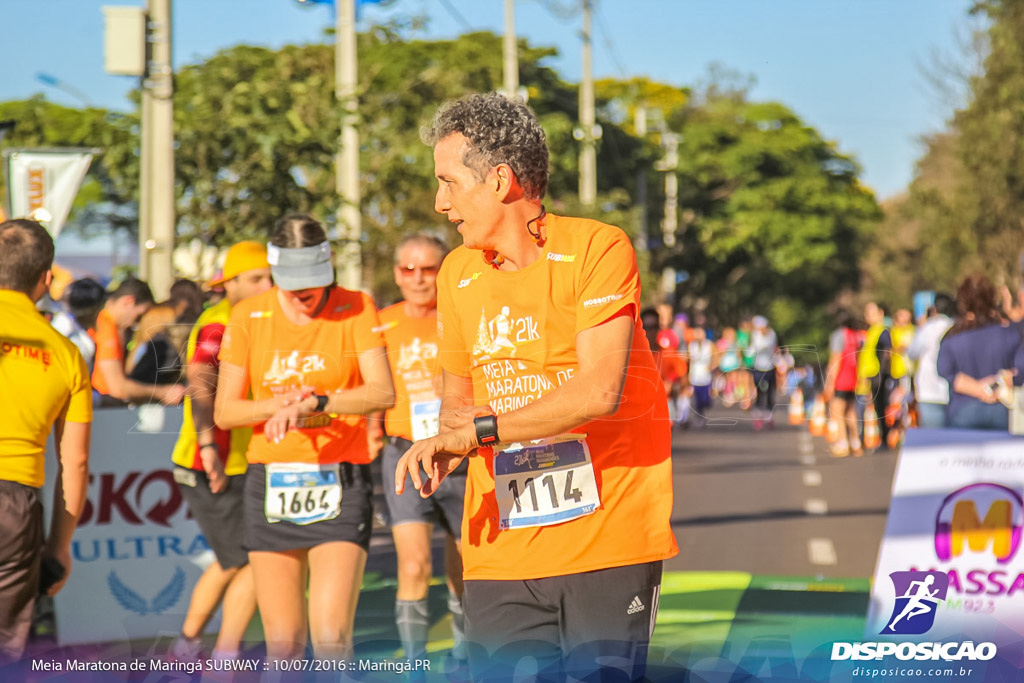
(951, 566)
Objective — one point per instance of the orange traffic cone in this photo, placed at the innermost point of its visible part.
(872, 437)
(892, 439)
(832, 431)
(796, 407)
(817, 423)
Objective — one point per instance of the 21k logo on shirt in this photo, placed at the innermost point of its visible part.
(293, 365)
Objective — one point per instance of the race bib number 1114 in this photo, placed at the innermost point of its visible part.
(546, 482)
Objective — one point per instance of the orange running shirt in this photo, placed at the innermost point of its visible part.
(279, 356)
(109, 346)
(514, 334)
(412, 354)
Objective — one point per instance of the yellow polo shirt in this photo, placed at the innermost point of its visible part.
(41, 374)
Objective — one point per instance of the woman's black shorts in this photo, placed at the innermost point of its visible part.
(354, 524)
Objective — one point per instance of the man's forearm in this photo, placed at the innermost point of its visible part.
(72, 483)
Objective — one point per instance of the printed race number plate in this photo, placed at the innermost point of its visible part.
(426, 419)
(546, 482)
(302, 493)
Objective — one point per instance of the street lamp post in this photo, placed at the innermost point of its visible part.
(54, 82)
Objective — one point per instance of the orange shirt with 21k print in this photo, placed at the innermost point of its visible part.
(412, 354)
(514, 334)
(279, 357)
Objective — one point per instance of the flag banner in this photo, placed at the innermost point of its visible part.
(45, 179)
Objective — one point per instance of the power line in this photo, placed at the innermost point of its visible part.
(608, 42)
(562, 10)
(457, 16)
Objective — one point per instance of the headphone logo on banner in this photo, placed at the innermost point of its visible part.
(958, 523)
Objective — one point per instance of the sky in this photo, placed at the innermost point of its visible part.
(853, 69)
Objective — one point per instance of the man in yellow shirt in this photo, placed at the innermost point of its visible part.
(44, 386)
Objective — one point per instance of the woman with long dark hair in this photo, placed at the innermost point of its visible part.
(976, 357)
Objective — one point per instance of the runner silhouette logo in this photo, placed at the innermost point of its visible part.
(918, 595)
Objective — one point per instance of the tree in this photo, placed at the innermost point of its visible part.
(106, 199)
(774, 218)
(257, 130)
(990, 138)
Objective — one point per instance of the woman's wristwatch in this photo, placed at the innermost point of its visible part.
(321, 403)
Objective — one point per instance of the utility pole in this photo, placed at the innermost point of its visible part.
(510, 63)
(158, 170)
(145, 177)
(670, 222)
(640, 124)
(346, 163)
(587, 133)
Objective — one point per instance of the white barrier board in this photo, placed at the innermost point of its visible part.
(137, 552)
(957, 508)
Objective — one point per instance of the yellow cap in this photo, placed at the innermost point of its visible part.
(241, 257)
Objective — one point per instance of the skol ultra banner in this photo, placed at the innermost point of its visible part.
(951, 566)
(45, 179)
(136, 553)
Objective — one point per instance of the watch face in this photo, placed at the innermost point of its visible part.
(486, 429)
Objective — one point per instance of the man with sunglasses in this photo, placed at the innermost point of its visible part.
(410, 331)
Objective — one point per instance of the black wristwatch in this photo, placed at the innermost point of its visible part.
(486, 429)
(321, 402)
(212, 445)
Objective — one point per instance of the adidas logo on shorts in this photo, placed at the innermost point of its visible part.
(635, 606)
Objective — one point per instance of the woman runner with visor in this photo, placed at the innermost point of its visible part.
(302, 364)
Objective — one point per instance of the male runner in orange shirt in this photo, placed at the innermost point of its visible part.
(410, 330)
(563, 541)
(122, 310)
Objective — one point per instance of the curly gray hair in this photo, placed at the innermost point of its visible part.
(500, 131)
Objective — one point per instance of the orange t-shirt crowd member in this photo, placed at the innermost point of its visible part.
(415, 369)
(513, 333)
(321, 356)
(109, 346)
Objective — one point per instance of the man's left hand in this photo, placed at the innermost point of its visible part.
(64, 558)
(439, 456)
